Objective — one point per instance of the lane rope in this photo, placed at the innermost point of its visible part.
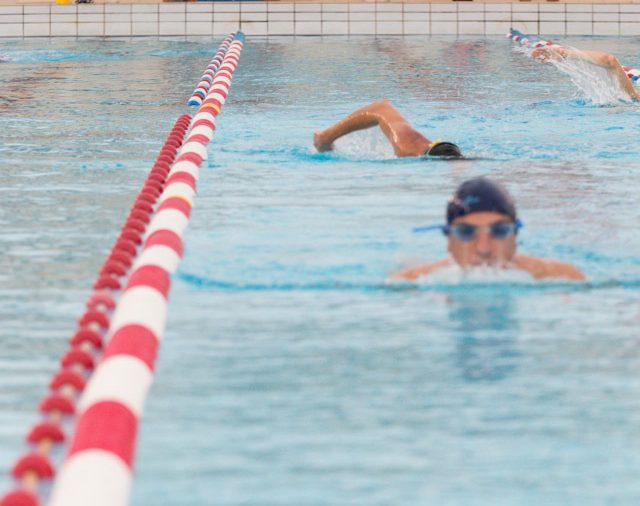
(97, 470)
(207, 78)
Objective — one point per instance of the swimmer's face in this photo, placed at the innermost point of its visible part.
(483, 248)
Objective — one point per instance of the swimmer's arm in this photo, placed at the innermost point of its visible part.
(541, 268)
(358, 120)
(419, 271)
(599, 58)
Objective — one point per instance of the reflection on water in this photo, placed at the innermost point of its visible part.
(486, 334)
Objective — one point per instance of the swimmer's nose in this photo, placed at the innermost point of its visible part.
(483, 244)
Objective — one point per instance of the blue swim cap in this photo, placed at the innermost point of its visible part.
(477, 195)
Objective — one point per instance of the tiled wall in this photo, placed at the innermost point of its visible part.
(203, 18)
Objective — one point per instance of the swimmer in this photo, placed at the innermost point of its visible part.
(481, 230)
(405, 139)
(600, 58)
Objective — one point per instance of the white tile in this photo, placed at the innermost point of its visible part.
(172, 17)
(36, 9)
(144, 8)
(606, 16)
(11, 30)
(253, 7)
(417, 8)
(117, 18)
(199, 28)
(64, 29)
(199, 8)
(335, 28)
(253, 16)
(362, 16)
(388, 7)
(389, 27)
(308, 28)
(552, 8)
(606, 28)
(623, 8)
(226, 7)
(578, 16)
(524, 16)
(142, 28)
(308, 16)
(90, 9)
(443, 16)
(552, 16)
(90, 29)
(90, 18)
(171, 28)
(497, 16)
(10, 9)
(606, 8)
(527, 27)
(172, 7)
(200, 17)
(443, 27)
(117, 29)
(226, 17)
(497, 7)
(416, 17)
(63, 9)
(389, 16)
(280, 16)
(117, 9)
(224, 27)
(145, 17)
(36, 29)
(471, 28)
(335, 7)
(335, 16)
(624, 17)
(416, 28)
(629, 28)
(357, 7)
(579, 8)
(470, 7)
(497, 27)
(362, 27)
(14, 18)
(254, 27)
(278, 7)
(280, 27)
(579, 28)
(552, 27)
(451, 7)
(470, 16)
(37, 18)
(524, 7)
(308, 7)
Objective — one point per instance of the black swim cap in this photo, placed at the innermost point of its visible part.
(444, 149)
(477, 195)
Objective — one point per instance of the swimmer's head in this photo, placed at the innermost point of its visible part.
(481, 224)
(444, 149)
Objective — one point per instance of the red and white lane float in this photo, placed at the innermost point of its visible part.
(77, 364)
(207, 78)
(98, 468)
(535, 41)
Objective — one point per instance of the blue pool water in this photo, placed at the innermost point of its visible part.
(291, 372)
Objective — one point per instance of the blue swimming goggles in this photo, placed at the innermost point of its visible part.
(465, 232)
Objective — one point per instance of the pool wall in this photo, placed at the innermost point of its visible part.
(279, 18)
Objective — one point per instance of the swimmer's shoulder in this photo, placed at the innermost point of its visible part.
(541, 268)
(419, 271)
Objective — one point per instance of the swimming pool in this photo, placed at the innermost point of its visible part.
(291, 373)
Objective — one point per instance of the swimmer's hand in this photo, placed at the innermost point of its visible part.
(546, 54)
(320, 144)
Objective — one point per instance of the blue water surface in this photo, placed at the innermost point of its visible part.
(291, 371)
